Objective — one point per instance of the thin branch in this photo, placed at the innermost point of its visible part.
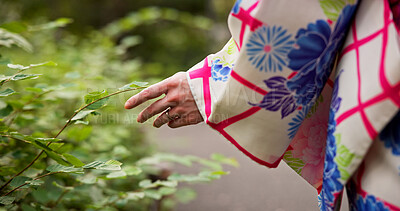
(61, 130)
(36, 178)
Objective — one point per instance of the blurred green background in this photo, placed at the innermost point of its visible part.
(103, 45)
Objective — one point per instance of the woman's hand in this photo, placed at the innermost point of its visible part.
(178, 99)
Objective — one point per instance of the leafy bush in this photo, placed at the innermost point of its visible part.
(51, 156)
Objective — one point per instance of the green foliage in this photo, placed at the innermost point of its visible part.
(66, 148)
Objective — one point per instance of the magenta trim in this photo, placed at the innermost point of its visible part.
(204, 73)
(247, 83)
(253, 157)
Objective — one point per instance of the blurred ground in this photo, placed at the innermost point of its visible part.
(249, 187)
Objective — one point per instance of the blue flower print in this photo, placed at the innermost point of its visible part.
(314, 56)
(390, 135)
(297, 121)
(330, 182)
(236, 7)
(219, 72)
(268, 48)
(359, 203)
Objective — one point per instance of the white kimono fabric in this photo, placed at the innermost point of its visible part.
(317, 84)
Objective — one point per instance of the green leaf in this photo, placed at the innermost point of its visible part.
(46, 140)
(6, 111)
(135, 84)
(146, 184)
(16, 66)
(53, 155)
(62, 187)
(93, 96)
(113, 162)
(19, 77)
(15, 27)
(8, 39)
(21, 67)
(116, 174)
(152, 194)
(60, 22)
(132, 170)
(7, 92)
(19, 180)
(111, 166)
(82, 114)
(73, 160)
(35, 182)
(166, 191)
(135, 195)
(6, 200)
(61, 168)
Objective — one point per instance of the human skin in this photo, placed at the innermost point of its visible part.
(178, 97)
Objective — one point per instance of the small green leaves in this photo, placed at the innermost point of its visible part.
(135, 195)
(15, 27)
(61, 168)
(8, 39)
(21, 67)
(19, 180)
(116, 174)
(83, 114)
(60, 22)
(6, 200)
(204, 176)
(19, 77)
(135, 84)
(132, 170)
(95, 96)
(73, 160)
(112, 165)
(7, 92)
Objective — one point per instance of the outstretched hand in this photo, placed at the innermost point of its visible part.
(177, 107)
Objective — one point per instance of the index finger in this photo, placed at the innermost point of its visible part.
(149, 93)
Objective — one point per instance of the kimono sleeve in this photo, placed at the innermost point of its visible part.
(258, 89)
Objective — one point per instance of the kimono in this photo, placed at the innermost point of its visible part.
(317, 85)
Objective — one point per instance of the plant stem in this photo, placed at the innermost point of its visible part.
(36, 178)
(59, 132)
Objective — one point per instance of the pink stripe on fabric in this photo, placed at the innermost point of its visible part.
(225, 123)
(372, 101)
(382, 77)
(247, 20)
(204, 73)
(247, 83)
(360, 43)
(253, 157)
(371, 131)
